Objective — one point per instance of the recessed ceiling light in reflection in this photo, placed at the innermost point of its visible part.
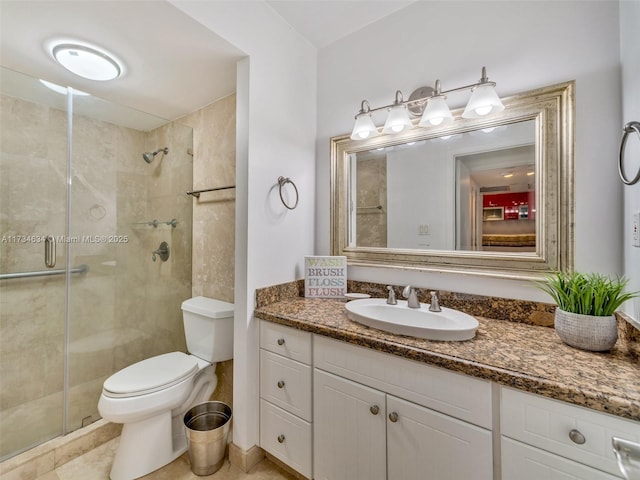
(62, 90)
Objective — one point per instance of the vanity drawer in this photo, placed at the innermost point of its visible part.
(286, 383)
(460, 396)
(286, 341)
(286, 437)
(522, 462)
(551, 424)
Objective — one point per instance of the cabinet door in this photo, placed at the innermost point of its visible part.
(428, 445)
(522, 462)
(349, 430)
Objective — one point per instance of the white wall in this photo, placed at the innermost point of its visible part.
(524, 45)
(420, 192)
(629, 59)
(276, 124)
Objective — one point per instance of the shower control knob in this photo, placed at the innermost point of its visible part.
(281, 341)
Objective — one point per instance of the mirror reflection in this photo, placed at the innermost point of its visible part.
(491, 195)
(469, 191)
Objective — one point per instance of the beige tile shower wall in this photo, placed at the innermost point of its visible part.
(371, 221)
(126, 307)
(214, 165)
(32, 195)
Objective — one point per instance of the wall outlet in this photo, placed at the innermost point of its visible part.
(423, 229)
(635, 230)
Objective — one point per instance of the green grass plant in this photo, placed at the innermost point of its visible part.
(586, 293)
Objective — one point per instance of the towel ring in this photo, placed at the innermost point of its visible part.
(628, 128)
(282, 181)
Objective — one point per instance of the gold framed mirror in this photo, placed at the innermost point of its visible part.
(490, 196)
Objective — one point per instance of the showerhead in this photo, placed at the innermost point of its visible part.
(149, 156)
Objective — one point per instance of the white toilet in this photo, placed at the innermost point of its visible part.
(151, 397)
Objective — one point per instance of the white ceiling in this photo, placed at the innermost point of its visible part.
(173, 64)
(323, 22)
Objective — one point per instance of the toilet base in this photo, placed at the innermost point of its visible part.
(146, 446)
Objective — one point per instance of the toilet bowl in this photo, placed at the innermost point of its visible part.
(150, 397)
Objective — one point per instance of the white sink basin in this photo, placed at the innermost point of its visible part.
(448, 325)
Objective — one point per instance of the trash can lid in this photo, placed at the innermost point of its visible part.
(150, 375)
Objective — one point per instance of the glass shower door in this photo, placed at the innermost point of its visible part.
(33, 172)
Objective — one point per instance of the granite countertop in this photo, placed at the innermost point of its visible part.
(526, 357)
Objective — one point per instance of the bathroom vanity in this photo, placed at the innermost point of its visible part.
(340, 400)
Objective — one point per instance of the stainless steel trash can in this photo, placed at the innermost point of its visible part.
(207, 427)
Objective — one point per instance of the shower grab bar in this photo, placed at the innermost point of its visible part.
(196, 193)
(44, 273)
(173, 222)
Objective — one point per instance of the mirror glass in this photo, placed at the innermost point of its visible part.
(477, 195)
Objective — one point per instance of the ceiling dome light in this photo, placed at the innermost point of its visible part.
(86, 62)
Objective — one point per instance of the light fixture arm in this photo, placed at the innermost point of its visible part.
(364, 108)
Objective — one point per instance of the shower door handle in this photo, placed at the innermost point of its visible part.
(50, 251)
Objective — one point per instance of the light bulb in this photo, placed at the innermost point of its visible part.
(436, 112)
(363, 127)
(397, 120)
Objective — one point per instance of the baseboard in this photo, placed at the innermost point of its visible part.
(245, 460)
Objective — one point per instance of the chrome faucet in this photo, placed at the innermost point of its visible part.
(434, 306)
(411, 295)
(391, 300)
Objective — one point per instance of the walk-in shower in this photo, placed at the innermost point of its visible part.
(71, 174)
(149, 156)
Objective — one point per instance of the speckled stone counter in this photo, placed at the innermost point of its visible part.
(527, 357)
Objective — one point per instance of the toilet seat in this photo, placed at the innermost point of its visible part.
(151, 375)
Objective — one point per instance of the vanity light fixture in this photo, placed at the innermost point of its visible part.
(429, 104)
(86, 61)
(398, 116)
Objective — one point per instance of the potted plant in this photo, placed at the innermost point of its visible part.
(586, 303)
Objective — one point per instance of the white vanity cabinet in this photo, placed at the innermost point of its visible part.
(546, 438)
(349, 433)
(375, 418)
(335, 411)
(425, 444)
(285, 395)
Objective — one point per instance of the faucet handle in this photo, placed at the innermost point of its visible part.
(391, 300)
(434, 306)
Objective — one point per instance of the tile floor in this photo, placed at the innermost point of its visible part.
(95, 465)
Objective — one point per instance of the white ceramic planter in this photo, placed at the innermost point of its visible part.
(587, 332)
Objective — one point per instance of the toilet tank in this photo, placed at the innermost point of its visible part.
(208, 328)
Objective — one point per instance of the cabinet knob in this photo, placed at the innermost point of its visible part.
(280, 438)
(281, 384)
(374, 409)
(577, 437)
(281, 341)
(393, 416)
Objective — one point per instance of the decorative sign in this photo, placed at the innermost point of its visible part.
(325, 276)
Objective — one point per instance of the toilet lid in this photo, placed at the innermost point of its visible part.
(151, 375)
